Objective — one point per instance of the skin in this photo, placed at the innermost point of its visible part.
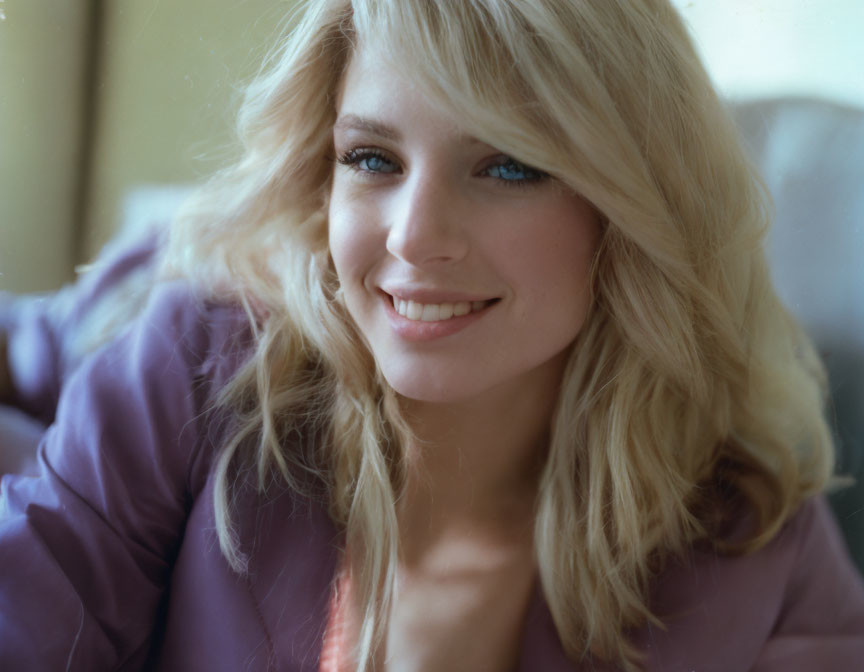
(419, 209)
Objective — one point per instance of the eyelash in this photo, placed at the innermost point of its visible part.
(536, 176)
(353, 157)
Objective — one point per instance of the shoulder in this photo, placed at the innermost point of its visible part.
(181, 321)
(801, 589)
(145, 400)
(820, 620)
(180, 334)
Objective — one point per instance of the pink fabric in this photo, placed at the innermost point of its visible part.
(335, 651)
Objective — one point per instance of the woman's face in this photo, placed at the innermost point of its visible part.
(464, 270)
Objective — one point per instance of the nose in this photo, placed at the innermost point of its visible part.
(427, 222)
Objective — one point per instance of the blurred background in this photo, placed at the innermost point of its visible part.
(111, 109)
(99, 98)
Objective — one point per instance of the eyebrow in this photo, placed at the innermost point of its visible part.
(351, 122)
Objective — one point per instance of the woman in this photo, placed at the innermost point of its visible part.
(509, 387)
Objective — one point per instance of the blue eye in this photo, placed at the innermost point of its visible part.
(512, 171)
(368, 161)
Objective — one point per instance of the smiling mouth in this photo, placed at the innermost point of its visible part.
(437, 312)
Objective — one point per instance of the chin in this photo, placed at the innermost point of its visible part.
(432, 388)
(431, 394)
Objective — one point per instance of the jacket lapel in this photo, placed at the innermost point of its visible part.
(541, 648)
(296, 551)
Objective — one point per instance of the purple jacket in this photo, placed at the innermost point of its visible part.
(109, 559)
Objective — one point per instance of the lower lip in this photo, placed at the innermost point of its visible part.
(418, 330)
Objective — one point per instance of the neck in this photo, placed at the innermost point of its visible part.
(476, 463)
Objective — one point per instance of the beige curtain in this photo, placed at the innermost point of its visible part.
(100, 99)
(42, 61)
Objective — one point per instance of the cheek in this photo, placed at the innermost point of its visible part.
(553, 260)
(349, 240)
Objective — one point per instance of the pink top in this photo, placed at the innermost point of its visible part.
(336, 649)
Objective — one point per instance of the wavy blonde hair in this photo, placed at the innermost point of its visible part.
(691, 396)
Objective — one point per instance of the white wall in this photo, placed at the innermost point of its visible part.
(767, 48)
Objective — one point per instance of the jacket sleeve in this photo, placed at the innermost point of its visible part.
(48, 336)
(86, 548)
(821, 623)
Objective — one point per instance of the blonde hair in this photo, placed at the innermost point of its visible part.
(691, 397)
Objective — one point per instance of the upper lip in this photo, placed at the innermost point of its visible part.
(430, 295)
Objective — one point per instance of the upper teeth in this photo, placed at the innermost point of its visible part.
(432, 312)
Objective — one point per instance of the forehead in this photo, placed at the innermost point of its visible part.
(374, 96)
